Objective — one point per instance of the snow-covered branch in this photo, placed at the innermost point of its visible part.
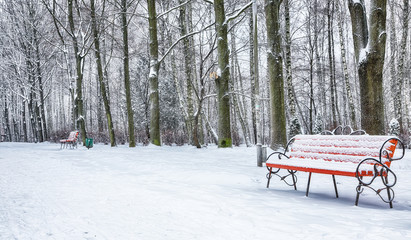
(234, 16)
(171, 9)
(181, 38)
(208, 1)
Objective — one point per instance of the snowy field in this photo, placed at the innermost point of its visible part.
(182, 193)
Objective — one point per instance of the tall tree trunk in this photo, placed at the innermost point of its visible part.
(103, 87)
(275, 74)
(319, 69)
(223, 77)
(393, 64)
(155, 137)
(399, 83)
(331, 67)
(187, 70)
(311, 106)
(16, 131)
(23, 116)
(39, 125)
(294, 125)
(252, 76)
(255, 84)
(130, 113)
(369, 48)
(236, 76)
(243, 104)
(337, 106)
(42, 106)
(100, 124)
(79, 75)
(31, 110)
(345, 69)
(7, 120)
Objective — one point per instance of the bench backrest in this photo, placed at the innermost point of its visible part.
(344, 148)
(73, 136)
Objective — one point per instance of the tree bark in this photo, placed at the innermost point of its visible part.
(103, 87)
(252, 77)
(7, 120)
(369, 48)
(275, 74)
(23, 116)
(130, 113)
(42, 106)
(155, 137)
(223, 77)
(187, 71)
(79, 108)
(399, 83)
(236, 101)
(31, 110)
(38, 120)
(393, 61)
(331, 67)
(294, 125)
(345, 70)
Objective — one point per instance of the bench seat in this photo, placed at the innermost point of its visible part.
(321, 166)
(338, 155)
(72, 140)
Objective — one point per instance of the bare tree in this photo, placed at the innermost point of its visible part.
(155, 137)
(223, 76)
(126, 65)
(275, 74)
(345, 68)
(103, 87)
(399, 81)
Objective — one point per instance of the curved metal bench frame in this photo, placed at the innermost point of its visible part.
(381, 170)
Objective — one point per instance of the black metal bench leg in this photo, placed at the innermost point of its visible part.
(308, 184)
(389, 196)
(269, 177)
(357, 198)
(388, 192)
(294, 182)
(335, 187)
(358, 192)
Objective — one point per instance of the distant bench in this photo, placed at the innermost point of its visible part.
(362, 156)
(71, 140)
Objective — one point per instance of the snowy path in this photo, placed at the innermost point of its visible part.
(181, 193)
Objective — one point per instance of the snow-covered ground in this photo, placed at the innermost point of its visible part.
(182, 193)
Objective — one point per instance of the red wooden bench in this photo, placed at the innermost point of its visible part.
(364, 157)
(71, 140)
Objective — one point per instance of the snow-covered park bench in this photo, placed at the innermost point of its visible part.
(364, 157)
(71, 140)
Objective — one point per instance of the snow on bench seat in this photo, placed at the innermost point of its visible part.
(343, 168)
(343, 155)
(334, 154)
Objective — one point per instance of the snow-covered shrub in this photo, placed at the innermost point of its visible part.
(318, 124)
(295, 127)
(394, 127)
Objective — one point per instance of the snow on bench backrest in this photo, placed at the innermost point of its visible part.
(342, 148)
(72, 136)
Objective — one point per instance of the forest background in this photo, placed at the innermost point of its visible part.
(198, 72)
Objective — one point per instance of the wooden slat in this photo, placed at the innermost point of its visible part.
(319, 170)
(339, 149)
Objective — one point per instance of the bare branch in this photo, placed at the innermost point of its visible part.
(230, 18)
(181, 38)
(171, 9)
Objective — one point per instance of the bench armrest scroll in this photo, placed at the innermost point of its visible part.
(385, 154)
(378, 170)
